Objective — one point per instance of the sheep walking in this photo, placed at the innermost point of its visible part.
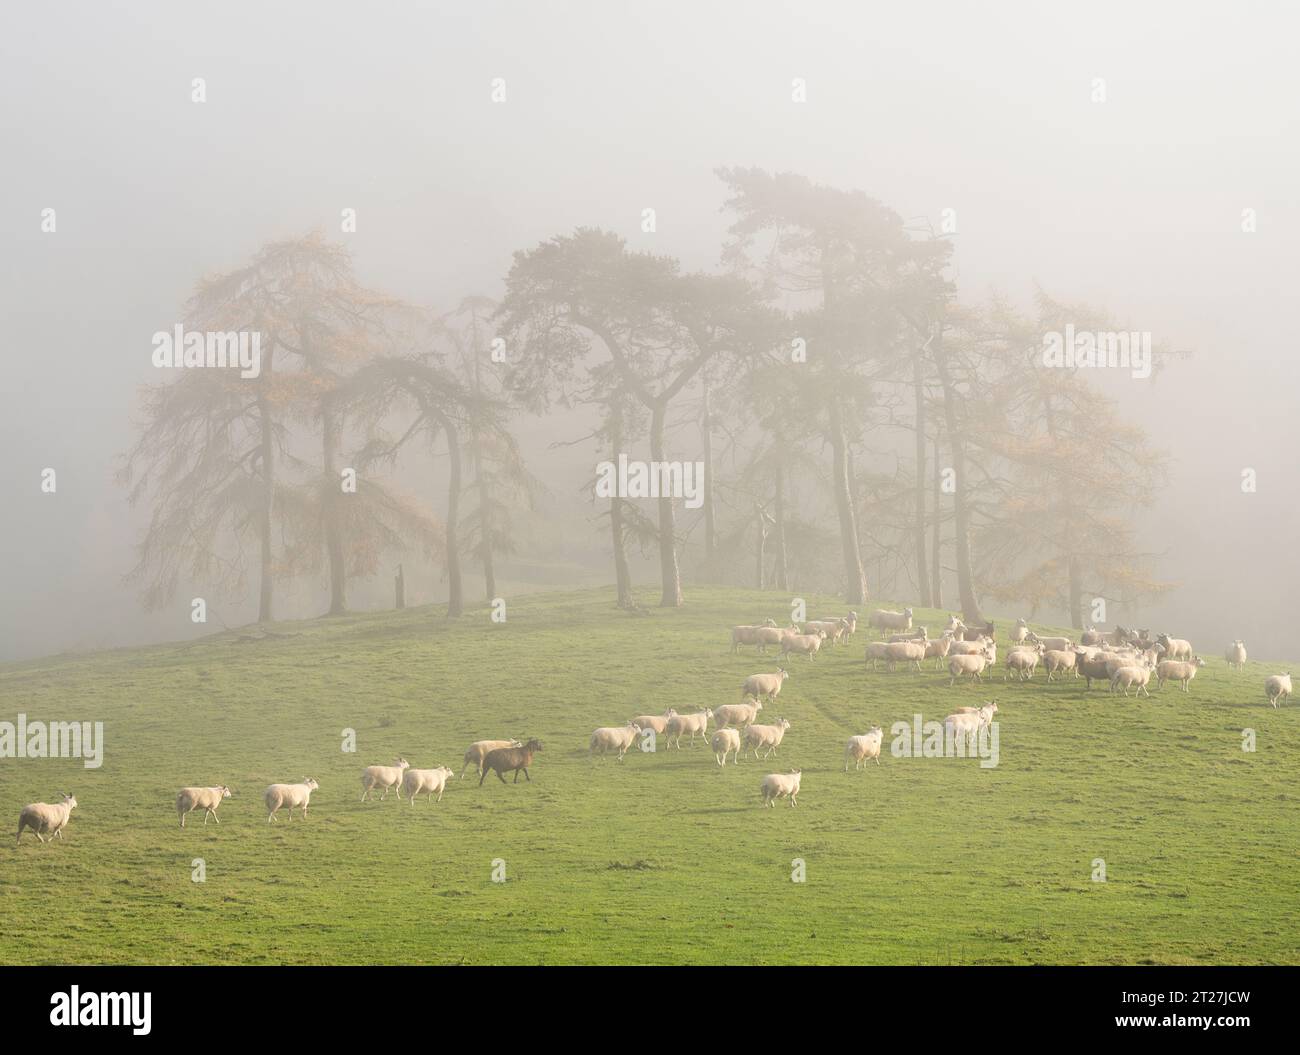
(769, 736)
(616, 738)
(971, 666)
(1129, 677)
(803, 644)
(1175, 647)
(883, 619)
(46, 821)
(479, 749)
(657, 722)
(208, 799)
(696, 724)
(294, 796)
(385, 777)
(726, 742)
(430, 781)
(504, 760)
(1278, 687)
(1178, 670)
(764, 686)
(737, 713)
(909, 652)
(860, 748)
(778, 786)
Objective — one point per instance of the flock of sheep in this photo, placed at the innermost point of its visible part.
(1124, 659)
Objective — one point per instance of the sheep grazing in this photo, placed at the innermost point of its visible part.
(295, 796)
(1056, 661)
(45, 820)
(726, 741)
(430, 781)
(207, 799)
(737, 714)
(385, 777)
(860, 748)
(1278, 687)
(764, 686)
(1236, 655)
(1019, 632)
(1175, 647)
(883, 619)
(769, 736)
(616, 738)
(502, 760)
(911, 652)
(804, 644)
(695, 724)
(479, 751)
(1023, 662)
(747, 635)
(778, 786)
(1128, 677)
(973, 666)
(1182, 671)
(657, 722)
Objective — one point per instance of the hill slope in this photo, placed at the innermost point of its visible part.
(663, 858)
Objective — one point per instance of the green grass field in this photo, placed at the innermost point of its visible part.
(663, 858)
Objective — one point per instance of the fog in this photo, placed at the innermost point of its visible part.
(1134, 204)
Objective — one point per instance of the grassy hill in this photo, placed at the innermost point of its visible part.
(663, 858)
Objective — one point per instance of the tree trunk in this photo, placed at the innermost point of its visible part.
(399, 589)
(922, 571)
(710, 526)
(778, 512)
(484, 497)
(970, 608)
(455, 589)
(1076, 593)
(669, 572)
(622, 577)
(855, 576)
(265, 612)
(936, 561)
(762, 548)
(331, 512)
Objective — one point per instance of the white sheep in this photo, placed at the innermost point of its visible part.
(769, 736)
(985, 712)
(657, 722)
(860, 748)
(778, 786)
(920, 633)
(1175, 647)
(294, 796)
(764, 686)
(876, 651)
(1019, 632)
(1130, 676)
(883, 619)
(962, 725)
(209, 799)
(969, 665)
(1057, 661)
(772, 635)
(616, 738)
(1024, 661)
(1178, 670)
(1278, 687)
(1236, 655)
(431, 781)
(695, 724)
(804, 644)
(479, 751)
(968, 648)
(747, 635)
(726, 741)
(385, 777)
(737, 714)
(939, 649)
(45, 819)
(1050, 644)
(905, 652)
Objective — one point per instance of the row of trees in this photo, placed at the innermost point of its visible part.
(832, 330)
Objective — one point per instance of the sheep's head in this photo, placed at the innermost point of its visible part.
(1198, 661)
(671, 712)
(875, 731)
(534, 745)
(311, 784)
(783, 723)
(69, 800)
(907, 612)
(225, 792)
(401, 763)
(783, 672)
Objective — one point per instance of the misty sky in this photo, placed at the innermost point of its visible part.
(1134, 204)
